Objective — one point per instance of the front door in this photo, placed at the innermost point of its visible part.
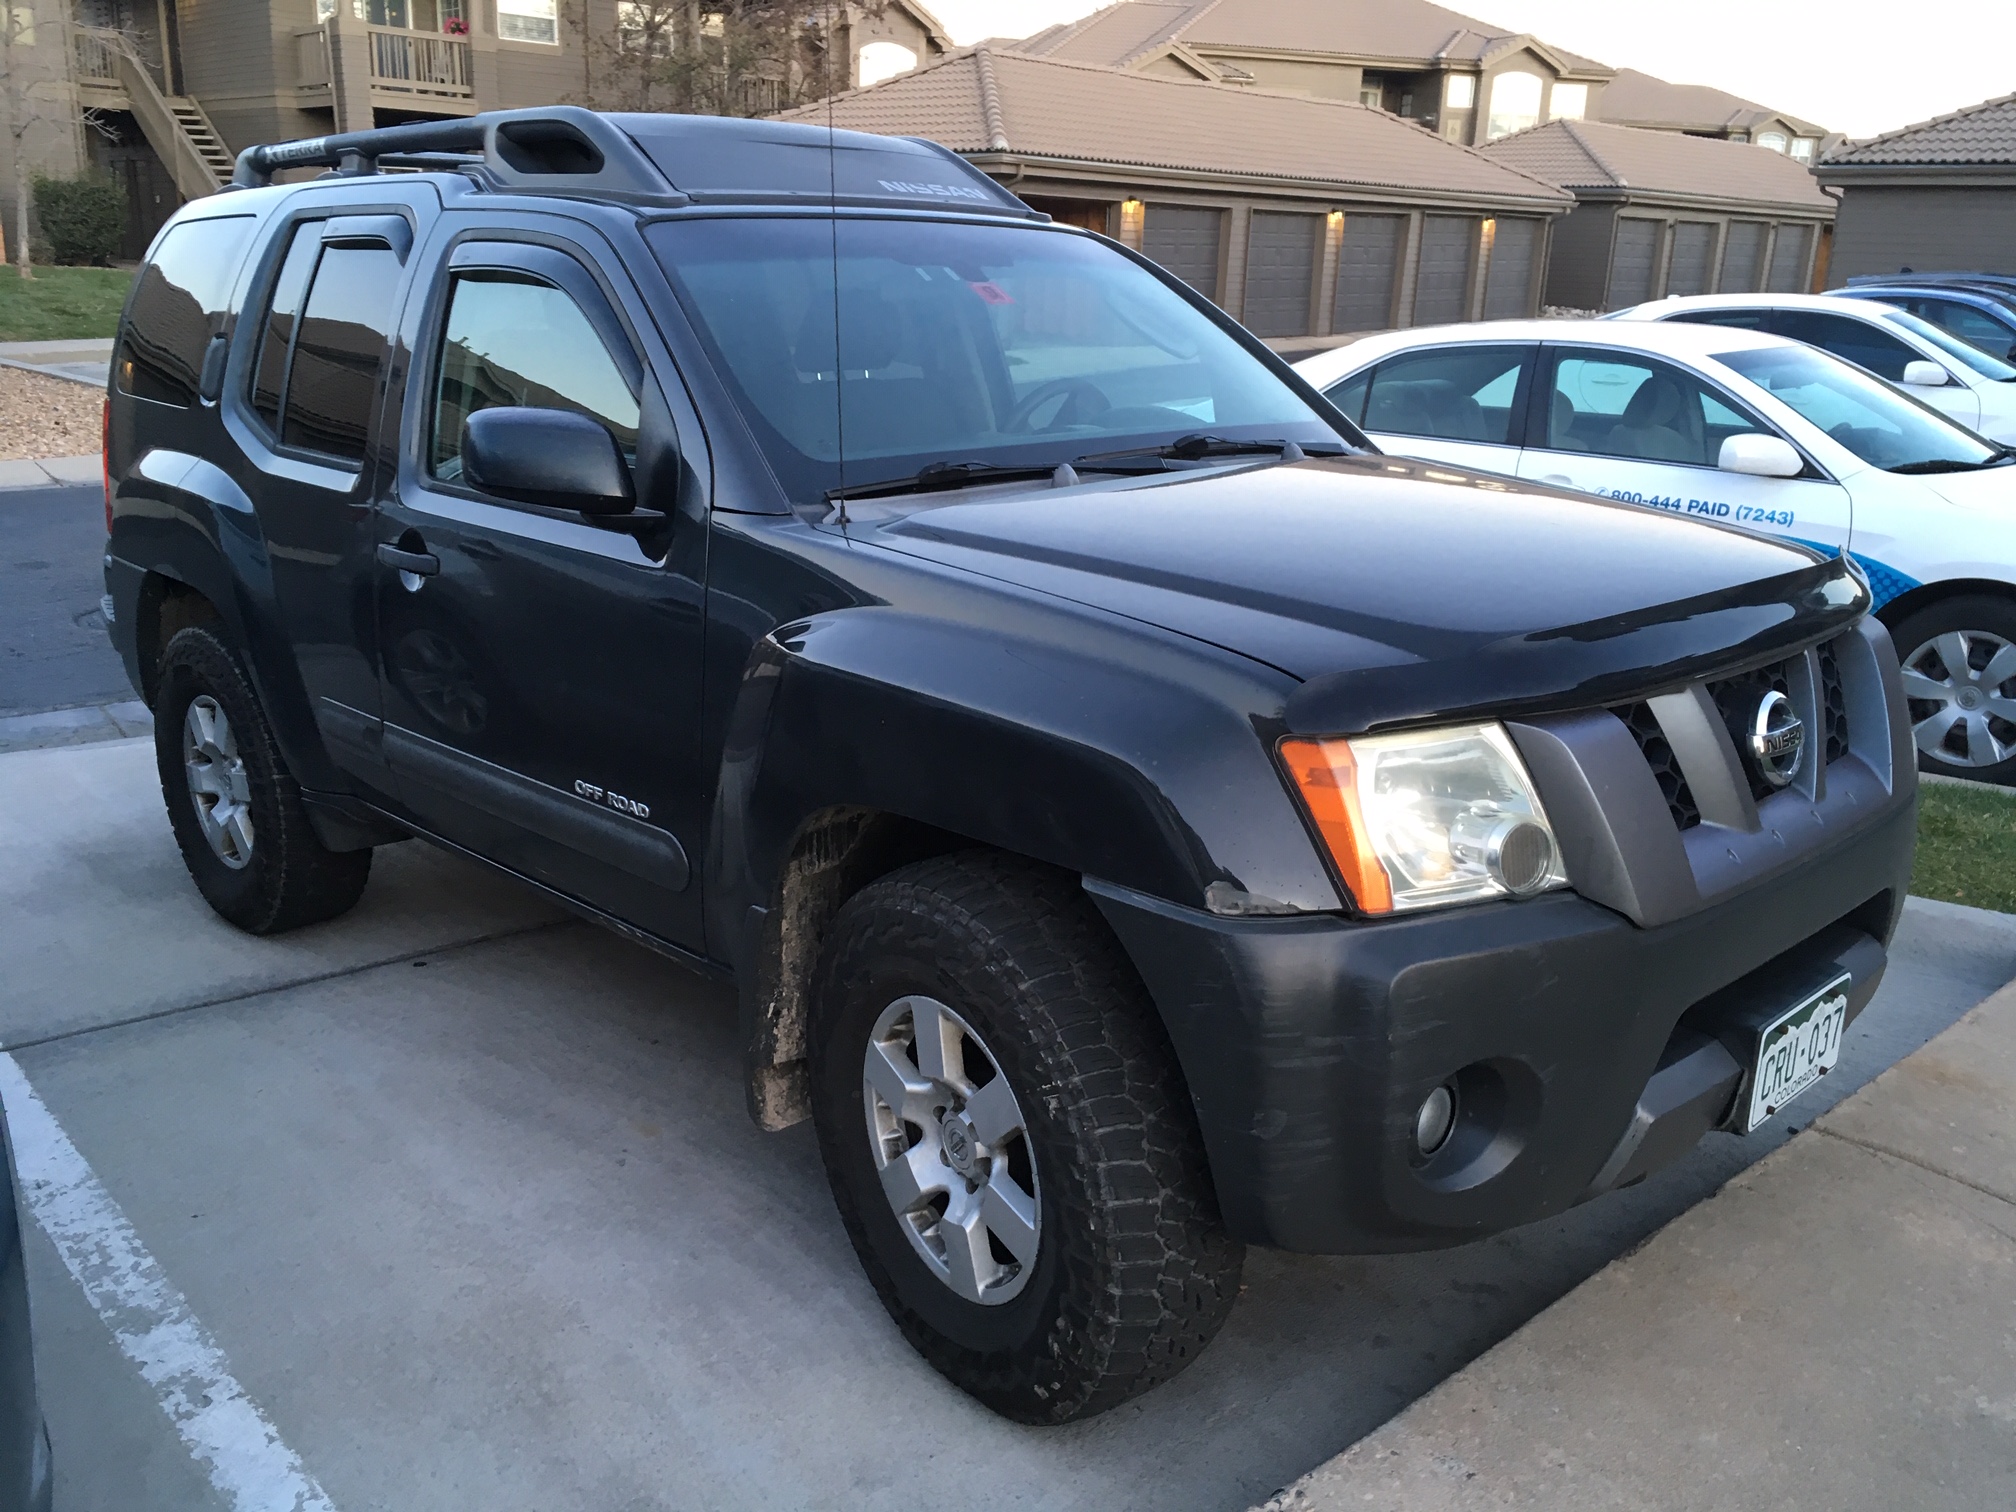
(542, 674)
(1634, 428)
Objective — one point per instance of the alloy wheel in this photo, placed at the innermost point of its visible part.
(952, 1150)
(217, 783)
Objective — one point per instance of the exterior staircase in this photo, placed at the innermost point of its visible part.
(202, 136)
(178, 131)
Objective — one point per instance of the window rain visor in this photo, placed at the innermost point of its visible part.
(1864, 414)
(871, 349)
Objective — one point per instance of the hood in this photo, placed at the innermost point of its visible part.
(1991, 487)
(1358, 575)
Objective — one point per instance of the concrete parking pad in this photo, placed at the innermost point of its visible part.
(99, 923)
(1836, 1331)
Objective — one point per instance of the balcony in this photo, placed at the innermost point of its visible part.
(426, 68)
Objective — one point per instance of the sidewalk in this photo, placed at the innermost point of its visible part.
(52, 472)
(88, 360)
(1834, 1332)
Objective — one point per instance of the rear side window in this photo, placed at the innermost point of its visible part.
(323, 343)
(179, 305)
(1453, 394)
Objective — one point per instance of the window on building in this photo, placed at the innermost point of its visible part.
(1772, 141)
(1460, 91)
(1372, 91)
(179, 305)
(1515, 104)
(1803, 149)
(332, 380)
(884, 60)
(500, 334)
(20, 22)
(644, 30)
(529, 21)
(1570, 102)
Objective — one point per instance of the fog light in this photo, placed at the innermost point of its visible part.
(1437, 1116)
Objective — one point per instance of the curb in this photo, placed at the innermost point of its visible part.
(50, 372)
(51, 472)
(81, 724)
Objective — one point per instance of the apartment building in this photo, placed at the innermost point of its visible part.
(165, 93)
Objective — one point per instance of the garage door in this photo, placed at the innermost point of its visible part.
(1693, 246)
(1631, 262)
(1442, 279)
(1280, 265)
(1508, 282)
(1368, 263)
(1741, 255)
(1184, 240)
(1788, 260)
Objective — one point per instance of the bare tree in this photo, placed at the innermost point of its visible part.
(714, 57)
(17, 116)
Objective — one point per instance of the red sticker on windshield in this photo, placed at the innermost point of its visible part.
(992, 293)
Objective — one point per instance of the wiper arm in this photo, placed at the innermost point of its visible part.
(1198, 446)
(945, 476)
(1951, 465)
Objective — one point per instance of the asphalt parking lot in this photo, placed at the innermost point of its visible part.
(464, 1192)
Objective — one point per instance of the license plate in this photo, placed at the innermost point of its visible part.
(1796, 1050)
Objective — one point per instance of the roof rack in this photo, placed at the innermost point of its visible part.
(657, 160)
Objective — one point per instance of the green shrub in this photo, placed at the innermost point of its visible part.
(84, 218)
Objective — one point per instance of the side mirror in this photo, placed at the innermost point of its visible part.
(1760, 456)
(1923, 374)
(553, 457)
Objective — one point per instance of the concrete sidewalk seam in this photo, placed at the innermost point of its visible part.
(1912, 1160)
(306, 981)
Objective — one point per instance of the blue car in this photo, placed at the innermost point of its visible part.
(24, 1441)
(1979, 308)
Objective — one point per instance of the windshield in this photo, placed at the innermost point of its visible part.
(951, 342)
(1863, 413)
(1953, 346)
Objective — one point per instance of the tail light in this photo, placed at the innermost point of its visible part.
(105, 458)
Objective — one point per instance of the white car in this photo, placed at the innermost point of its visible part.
(1953, 376)
(1743, 429)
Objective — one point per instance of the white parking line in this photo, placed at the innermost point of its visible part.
(249, 1464)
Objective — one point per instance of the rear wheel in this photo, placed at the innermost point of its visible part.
(1959, 664)
(235, 808)
(1009, 1142)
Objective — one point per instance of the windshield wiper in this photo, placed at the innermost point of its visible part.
(1198, 446)
(1948, 465)
(945, 476)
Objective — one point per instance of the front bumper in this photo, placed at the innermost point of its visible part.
(1309, 1043)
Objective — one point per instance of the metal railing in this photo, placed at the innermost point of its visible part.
(417, 63)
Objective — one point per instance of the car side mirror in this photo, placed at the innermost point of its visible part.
(556, 458)
(1761, 456)
(1923, 374)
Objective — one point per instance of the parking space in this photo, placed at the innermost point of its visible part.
(465, 1192)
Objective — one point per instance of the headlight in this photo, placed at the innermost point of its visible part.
(1427, 818)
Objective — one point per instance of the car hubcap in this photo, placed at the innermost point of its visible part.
(952, 1149)
(217, 784)
(1961, 711)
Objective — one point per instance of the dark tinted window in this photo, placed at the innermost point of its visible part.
(516, 342)
(1992, 335)
(1861, 344)
(277, 337)
(1742, 320)
(334, 375)
(178, 306)
(1349, 395)
(1618, 405)
(1454, 394)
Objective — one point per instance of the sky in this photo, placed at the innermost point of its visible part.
(1855, 66)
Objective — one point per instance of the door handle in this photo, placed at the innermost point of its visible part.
(419, 563)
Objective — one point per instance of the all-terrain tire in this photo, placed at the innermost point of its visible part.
(1133, 1273)
(1983, 622)
(287, 877)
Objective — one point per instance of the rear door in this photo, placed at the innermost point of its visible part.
(1456, 404)
(541, 674)
(1635, 428)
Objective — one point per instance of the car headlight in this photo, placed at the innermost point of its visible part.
(1427, 818)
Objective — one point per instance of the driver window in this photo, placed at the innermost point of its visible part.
(515, 341)
(1449, 394)
(1615, 405)
(1856, 340)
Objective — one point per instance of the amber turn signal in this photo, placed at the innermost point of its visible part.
(1326, 776)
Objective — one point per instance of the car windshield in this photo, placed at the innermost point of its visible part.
(1863, 413)
(862, 350)
(1953, 346)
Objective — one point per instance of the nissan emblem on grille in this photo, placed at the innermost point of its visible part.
(1777, 738)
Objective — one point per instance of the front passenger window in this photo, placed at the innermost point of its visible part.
(511, 340)
(1618, 405)
(1449, 394)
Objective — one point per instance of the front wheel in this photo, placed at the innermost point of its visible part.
(1009, 1141)
(1959, 664)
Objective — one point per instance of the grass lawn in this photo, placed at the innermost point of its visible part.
(1966, 847)
(61, 304)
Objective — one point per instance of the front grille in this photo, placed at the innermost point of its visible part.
(1833, 705)
(1736, 697)
(1644, 728)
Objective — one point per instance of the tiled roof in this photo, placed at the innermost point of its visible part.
(1598, 155)
(983, 100)
(1638, 99)
(1984, 133)
(1400, 29)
